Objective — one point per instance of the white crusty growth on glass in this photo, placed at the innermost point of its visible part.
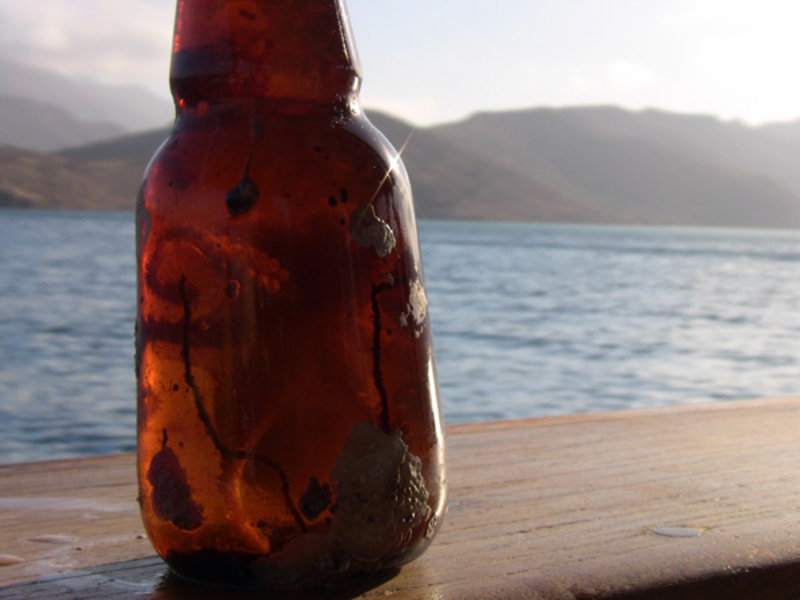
(368, 229)
(380, 497)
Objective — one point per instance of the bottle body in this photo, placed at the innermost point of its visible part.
(289, 429)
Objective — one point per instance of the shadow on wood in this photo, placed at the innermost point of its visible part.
(150, 579)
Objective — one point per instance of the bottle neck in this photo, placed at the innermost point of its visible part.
(289, 50)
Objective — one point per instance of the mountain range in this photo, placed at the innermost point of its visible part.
(598, 164)
(127, 107)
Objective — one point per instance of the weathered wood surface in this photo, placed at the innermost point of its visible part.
(562, 508)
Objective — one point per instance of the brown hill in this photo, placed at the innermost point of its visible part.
(454, 183)
(34, 180)
(448, 183)
(599, 164)
(632, 167)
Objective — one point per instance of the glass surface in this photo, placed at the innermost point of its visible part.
(289, 428)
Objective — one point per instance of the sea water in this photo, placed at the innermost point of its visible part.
(528, 319)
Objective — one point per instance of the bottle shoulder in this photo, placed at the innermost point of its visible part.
(268, 135)
(294, 160)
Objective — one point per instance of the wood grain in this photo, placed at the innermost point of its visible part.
(559, 508)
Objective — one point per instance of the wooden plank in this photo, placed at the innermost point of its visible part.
(552, 508)
(68, 515)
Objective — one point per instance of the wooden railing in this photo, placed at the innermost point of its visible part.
(693, 502)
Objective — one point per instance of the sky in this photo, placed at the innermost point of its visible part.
(434, 61)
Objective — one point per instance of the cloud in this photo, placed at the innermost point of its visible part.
(421, 110)
(742, 56)
(622, 81)
(581, 84)
(114, 41)
(627, 75)
(438, 61)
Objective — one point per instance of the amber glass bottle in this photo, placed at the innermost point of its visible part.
(289, 430)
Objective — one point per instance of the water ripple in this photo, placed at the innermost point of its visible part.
(529, 320)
